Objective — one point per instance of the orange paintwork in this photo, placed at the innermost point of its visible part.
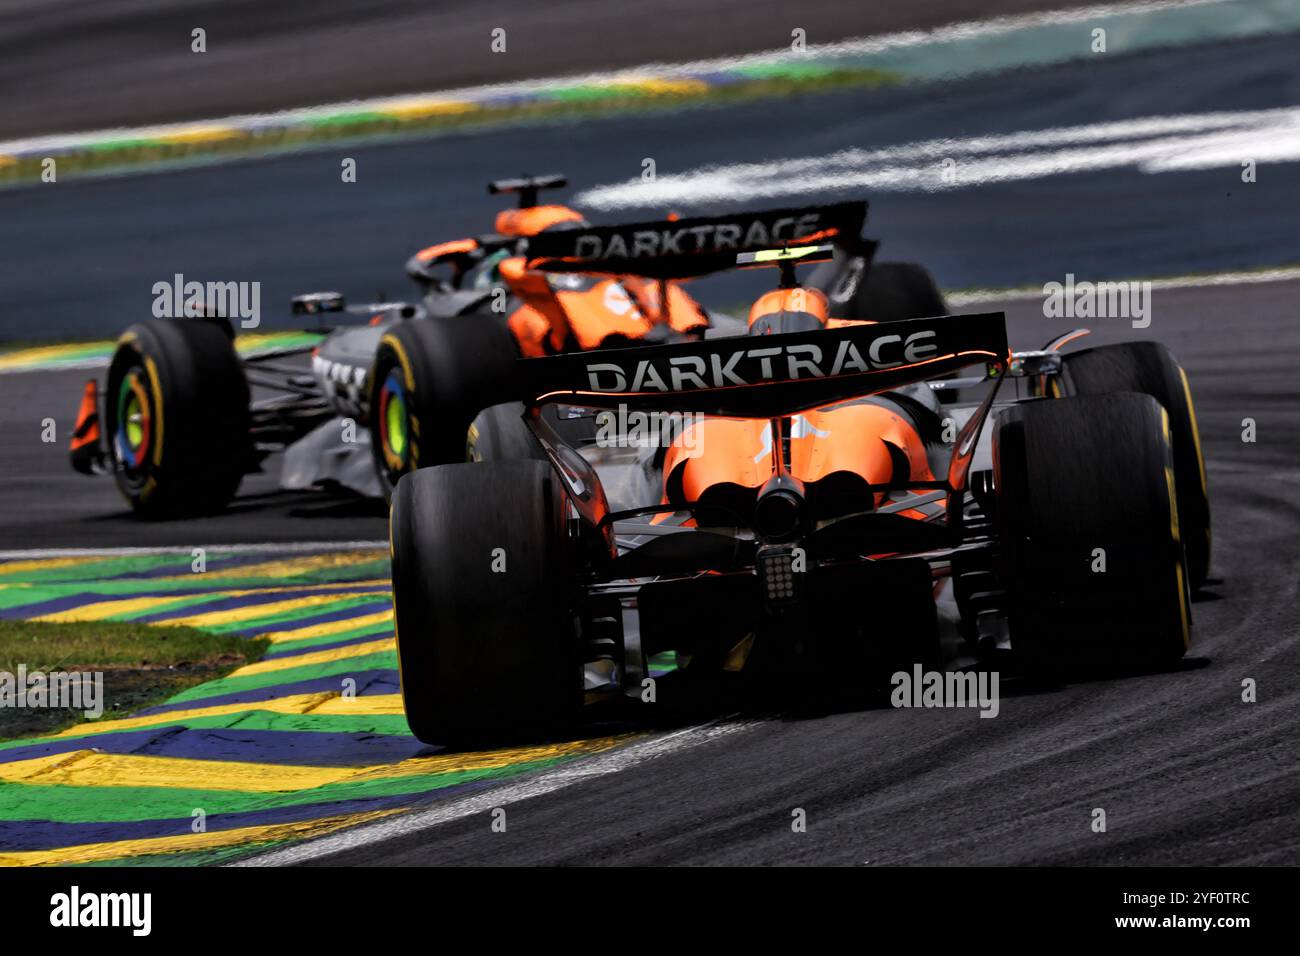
(86, 431)
(550, 316)
(437, 251)
(715, 451)
(848, 438)
(531, 330)
(539, 325)
(533, 219)
(798, 299)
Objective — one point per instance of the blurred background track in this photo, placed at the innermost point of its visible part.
(78, 64)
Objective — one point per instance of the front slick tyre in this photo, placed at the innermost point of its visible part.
(176, 417)
(429, 380)
(1093, 564)
(482, 592)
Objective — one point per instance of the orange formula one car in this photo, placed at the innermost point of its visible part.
(789, 502)
(414, 373)
(429, 379)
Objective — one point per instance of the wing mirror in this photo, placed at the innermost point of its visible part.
(312, 303)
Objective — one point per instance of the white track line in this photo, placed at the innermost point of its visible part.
(540, 785)
(975, 296)
(857, 46)
(1149, 144)
(36, 554)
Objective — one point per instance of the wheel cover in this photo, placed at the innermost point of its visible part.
(394, 424)
(134, 436)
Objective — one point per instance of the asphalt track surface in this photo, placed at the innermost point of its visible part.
(47, 505)
(1187, 772)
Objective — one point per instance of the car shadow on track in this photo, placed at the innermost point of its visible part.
(265, 517)
(1024, 685)
(681, 702)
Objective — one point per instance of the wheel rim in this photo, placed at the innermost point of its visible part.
(134, 435)
(394, 425)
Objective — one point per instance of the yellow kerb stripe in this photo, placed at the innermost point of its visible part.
(315, 657)
(102, 610)
(42, 564)
(333, 627)
(92, 768)
(329, 703)
(182, 842)
(656, 85)
(291, 567)
(203, 134)
(430, 108)
(254, 611)
(43, 353)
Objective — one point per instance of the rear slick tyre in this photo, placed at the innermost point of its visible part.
(1150, 368)
(483, 592)
(1091, 556)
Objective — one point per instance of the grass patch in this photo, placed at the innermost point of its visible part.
(142, 665)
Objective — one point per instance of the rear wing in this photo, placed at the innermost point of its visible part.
(527, 187)
(766, 376)
(686, 248)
